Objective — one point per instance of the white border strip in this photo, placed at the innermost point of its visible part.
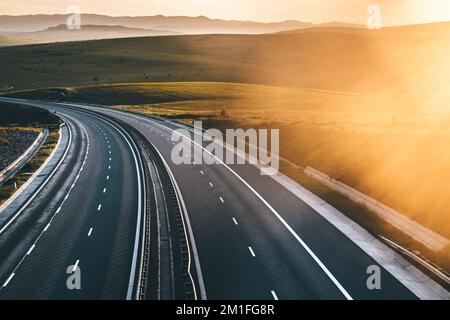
(45, 182)
(140, 205)
(276, 214)
(191, 234)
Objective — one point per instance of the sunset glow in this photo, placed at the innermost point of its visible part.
(395, 12)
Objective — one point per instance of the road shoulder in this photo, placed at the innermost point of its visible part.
(19, 198)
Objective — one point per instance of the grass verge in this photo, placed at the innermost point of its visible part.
(391, 147)
(8, 189)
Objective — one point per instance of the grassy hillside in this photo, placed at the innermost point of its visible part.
(394, 148)
(430, 29)
(377, 119)
(326, 60)
(24, 116)
(12, 41)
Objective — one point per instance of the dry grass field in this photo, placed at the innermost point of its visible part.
(369, 109)
(392, 147)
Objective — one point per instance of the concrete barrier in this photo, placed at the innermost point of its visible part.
(427, 237)
(11, 170)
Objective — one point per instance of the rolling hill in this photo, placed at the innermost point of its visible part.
(6, 41)
(327, 60)
(89, 32)
(430, 29)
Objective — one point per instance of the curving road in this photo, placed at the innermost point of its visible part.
(259, 241)
(250, 238)
(86, 217)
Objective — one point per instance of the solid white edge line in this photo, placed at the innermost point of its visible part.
(274, 295)
(31, 249)
(8, 280)
(140, 200)
(43, 184)
(277, 215)
(139, 216)
(187, 224)
(75, 265)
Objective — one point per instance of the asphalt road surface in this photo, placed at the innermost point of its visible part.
(252, 238)
(246, 251)
(85, 217)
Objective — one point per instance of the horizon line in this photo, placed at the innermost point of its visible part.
(219, 19)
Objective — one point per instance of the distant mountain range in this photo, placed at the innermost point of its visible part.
(28, 29)
(179, 24)
(87, 32)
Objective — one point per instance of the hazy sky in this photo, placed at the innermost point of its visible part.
(393, 11)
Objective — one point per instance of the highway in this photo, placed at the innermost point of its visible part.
(86, 217)
(248, 237)
(246, 252)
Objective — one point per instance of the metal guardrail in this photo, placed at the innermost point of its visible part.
(427, 237)
(183, 284)
(180, 250)
(12, 169)
(437, 271)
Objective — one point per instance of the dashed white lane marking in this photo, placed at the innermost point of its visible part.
(90, 232)
(280, 218)
(104, 190)
(75, 266)
(107, 177)
(221, 199)
(202, 172)
(252, 252)
(110, 159)
(211, 185)
(8, 280)
(274, 295)
(99, 207)
(109, 167)
(31, 249)
(235, 221)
